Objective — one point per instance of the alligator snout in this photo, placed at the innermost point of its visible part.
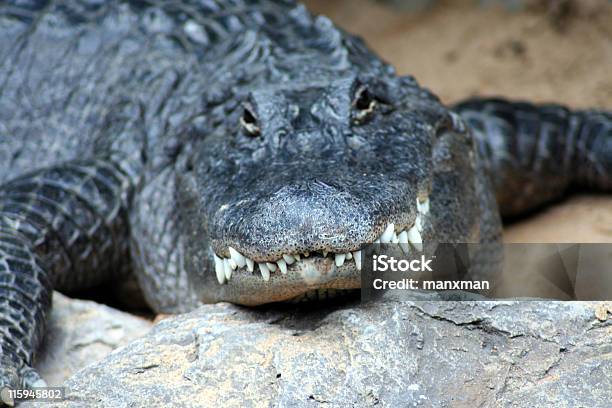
(316, 229)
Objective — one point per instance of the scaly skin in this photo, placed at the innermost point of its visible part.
(158, 136)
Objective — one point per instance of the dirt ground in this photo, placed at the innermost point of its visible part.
(459, 50)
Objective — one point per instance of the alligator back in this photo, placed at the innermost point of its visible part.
(79, 78)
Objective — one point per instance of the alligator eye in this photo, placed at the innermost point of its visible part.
(249, 123)
(364, 104)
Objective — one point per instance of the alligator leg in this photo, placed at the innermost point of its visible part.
(63, 227)
(535, 153)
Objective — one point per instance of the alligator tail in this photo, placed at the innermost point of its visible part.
(537, 153)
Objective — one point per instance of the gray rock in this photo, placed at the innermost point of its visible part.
(82, 332)
(391, 354)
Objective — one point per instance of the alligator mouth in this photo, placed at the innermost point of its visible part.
(314, 265)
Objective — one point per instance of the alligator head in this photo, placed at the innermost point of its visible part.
(307, 155)
(286, 191)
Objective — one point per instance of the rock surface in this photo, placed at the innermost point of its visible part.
(449, 354)
(81, 332)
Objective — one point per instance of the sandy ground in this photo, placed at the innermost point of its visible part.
(459, 50)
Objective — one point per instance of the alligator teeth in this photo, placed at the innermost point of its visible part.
(411, 236)
(414, 237)
(387, 234)
(394, 238)
(219, 270)
(403, 242)
(357, 257)
(340, 259)
(289, 259)
(423, 207)
(265, 272)
(228, 269)
(282, 265)
(237, 257)
(418, 223)
(224, 267)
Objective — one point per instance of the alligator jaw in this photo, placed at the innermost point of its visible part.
(317, 270)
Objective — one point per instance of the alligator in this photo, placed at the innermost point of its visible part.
(243, 151)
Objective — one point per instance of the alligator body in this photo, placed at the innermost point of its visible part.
(240, 151)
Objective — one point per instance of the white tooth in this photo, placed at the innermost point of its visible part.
(394, 238)
(297, 257)
(418, 223)
(340, 259)
(306, 254)
(414, 237)
(283, 266)
(349, 255)
(250, 264)
(265, 272)
(237, 257)
(325, 253)
(289, 259)
(219, 270)
(232, 264)
(388, 234)
(227, 268)
(271, 266)
(423, 207)
(403, 242)
(357, 256)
